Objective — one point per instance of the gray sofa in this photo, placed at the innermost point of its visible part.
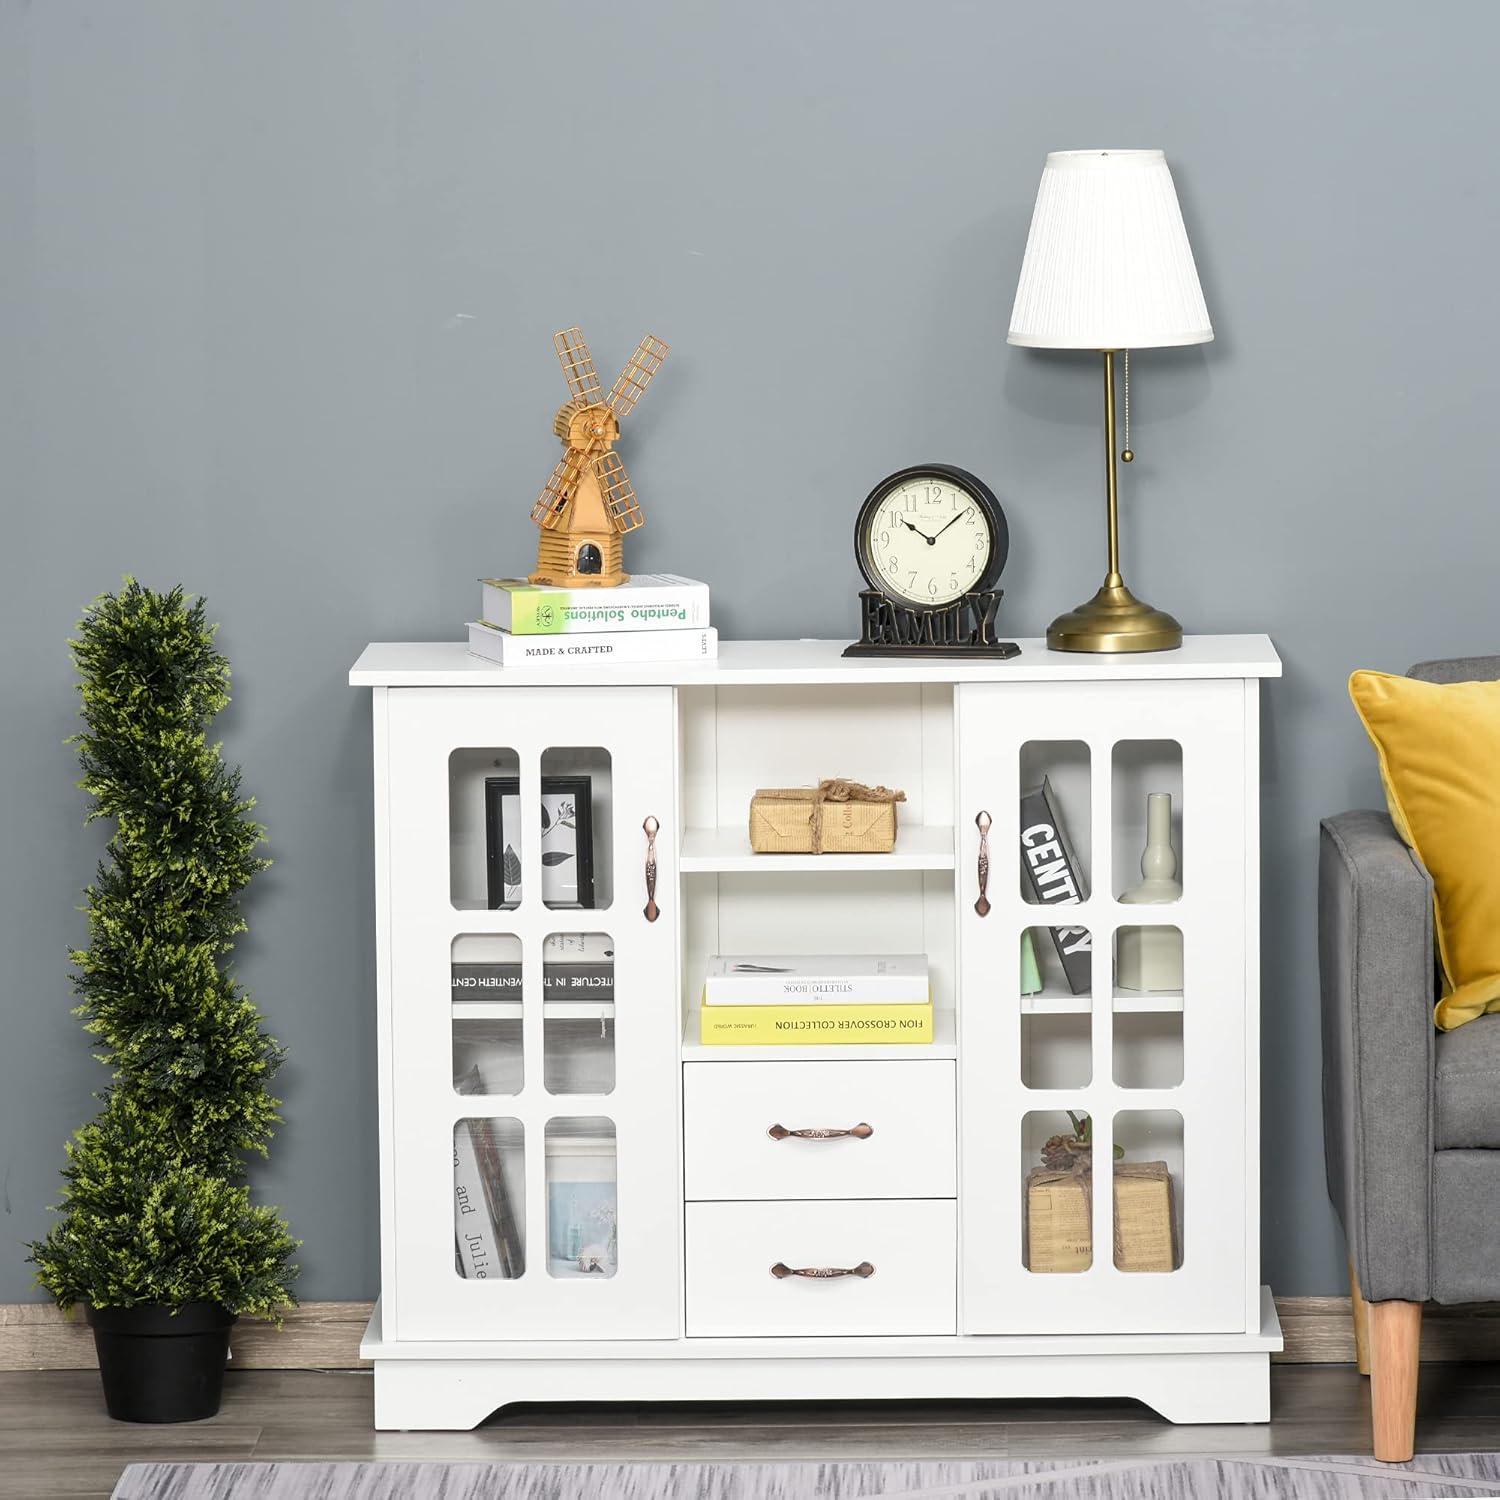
(1411, 1115)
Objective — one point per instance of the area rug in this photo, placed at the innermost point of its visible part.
(1334, 1478)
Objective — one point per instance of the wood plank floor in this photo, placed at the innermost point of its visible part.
(55, 1439)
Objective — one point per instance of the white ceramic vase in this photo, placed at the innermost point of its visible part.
(1150, 958)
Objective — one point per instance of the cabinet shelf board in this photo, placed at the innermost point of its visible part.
(1139, 1002)
(552, 1010)
(725, 850)
(944, 1044)
(1125, 1002)
(1052, 1003)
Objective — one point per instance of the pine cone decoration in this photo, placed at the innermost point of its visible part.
(1066, 1153)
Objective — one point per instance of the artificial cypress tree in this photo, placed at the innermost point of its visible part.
(155, 1208)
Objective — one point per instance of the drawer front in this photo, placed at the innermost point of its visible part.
(905, 1150)
(908, 1251)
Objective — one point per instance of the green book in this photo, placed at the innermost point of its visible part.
(648, 601)
(1031, 975)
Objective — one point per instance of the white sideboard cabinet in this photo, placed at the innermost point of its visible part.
(581, 1201)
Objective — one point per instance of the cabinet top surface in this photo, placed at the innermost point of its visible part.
(449, 664)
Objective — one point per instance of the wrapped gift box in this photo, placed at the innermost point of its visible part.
(1059, 1231)
(1145, 1223)
(1059, 1236)
(834, 817)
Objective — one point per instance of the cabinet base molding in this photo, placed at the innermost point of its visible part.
(1187, 1378)
(422, 1395)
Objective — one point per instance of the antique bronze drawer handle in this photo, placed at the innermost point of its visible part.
(982, 905)
(821, 1273)
(651, 828)
(860, 1132)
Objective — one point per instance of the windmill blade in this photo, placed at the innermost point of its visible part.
(577, 364)
(548, 510)
(620, 504)
(636, 376)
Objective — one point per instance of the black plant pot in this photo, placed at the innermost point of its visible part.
(160, 1364)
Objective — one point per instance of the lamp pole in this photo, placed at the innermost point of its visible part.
(1111, 473)
(1114, 619)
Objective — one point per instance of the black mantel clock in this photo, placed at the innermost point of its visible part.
(931, 541)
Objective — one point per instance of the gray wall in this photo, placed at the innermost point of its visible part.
(277, 286)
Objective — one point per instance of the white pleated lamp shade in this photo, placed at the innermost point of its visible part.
(1108, 264)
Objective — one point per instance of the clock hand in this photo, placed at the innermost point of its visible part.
(947, 524)
(928, 539)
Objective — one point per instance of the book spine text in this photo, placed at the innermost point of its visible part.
(769, 989)
(1054, 877)
(478, 1256)
(815, 1025)
(579, 650)
(571, 611)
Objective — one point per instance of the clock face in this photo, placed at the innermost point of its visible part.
(929, 536)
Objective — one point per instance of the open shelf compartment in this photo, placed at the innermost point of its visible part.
(726, 850)
(734, 741)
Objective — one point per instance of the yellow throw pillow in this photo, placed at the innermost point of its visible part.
(1439, 748)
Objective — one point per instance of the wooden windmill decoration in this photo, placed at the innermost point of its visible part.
(589, 504)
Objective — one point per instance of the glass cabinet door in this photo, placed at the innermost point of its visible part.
(532, 933)
(1105, 1072)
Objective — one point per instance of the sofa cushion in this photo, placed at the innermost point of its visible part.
(1439, 749)
(1457, 669)
(1465, 1247)
(1466, 1089)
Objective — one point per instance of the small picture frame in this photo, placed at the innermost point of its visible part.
(567, 841)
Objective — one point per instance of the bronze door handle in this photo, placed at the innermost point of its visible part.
(822, 1273)
(651, 828)
(982, 905)
(860, 1132)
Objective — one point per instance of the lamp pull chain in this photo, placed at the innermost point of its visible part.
(1128, 455)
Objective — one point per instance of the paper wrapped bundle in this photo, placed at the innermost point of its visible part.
(1144, 1220)
(1059, 1234)
(834, 817)
(1059, 1231)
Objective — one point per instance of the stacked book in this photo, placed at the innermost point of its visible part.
(839, 1000)
(577, 968)
(1053, 877)
(652, 617)
(487, 1242)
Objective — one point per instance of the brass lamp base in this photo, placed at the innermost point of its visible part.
(1114, 620)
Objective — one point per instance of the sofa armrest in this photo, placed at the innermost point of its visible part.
(1376, 961)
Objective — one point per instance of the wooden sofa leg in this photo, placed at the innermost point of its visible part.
(1361, 1312)
(1395, 1339)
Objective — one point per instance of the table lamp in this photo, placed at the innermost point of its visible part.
(1108, 267)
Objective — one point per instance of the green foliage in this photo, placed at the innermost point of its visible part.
(155, 1209)
(144, 1224)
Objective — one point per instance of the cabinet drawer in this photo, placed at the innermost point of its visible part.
(907, 1151)
(907, 1248)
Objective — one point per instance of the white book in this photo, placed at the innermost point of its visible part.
(473, 1232)
(648, 601)
(497, 645)
(842, 979)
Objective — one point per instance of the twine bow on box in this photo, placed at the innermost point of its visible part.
(835, 790)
